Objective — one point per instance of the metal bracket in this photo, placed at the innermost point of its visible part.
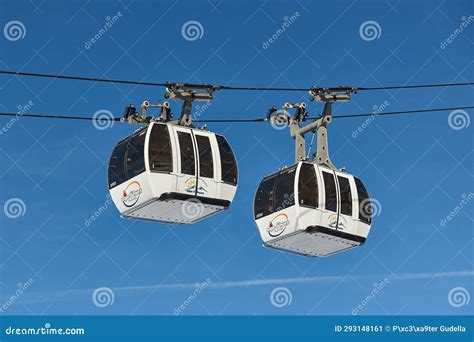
(300, 113)
(341, 94)
(132, 117)
(189, 94)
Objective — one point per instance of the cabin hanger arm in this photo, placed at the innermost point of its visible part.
(318, 125)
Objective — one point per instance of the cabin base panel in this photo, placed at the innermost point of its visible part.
(316, 241)
(172, 210)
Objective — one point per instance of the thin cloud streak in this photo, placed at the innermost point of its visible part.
(305, 280)
(37, 297)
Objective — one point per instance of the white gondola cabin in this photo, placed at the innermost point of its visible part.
(312, 210)
(171, 173)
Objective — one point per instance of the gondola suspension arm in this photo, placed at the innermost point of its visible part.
(319, 125)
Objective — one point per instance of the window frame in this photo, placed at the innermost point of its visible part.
(360, 186)
(235, 175)
(123, 143)
(170, 167)
(276, 177)
(207, 152)
(315, 178)
(138, 135)
(126, 142)
(326, 190)
(269, 199)
(284, 172)
(192, 165)
(349, 191)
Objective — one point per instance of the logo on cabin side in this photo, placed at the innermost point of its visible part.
(278, 225)
(337, 225)
(191, 186)
(131, 194)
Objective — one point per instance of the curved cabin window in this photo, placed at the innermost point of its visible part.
(116, 172)
(206, 166)
(308, 186)
(345, 194)
(159, 149)
(365, 206)
(136, 155)
(330, 190)
(285, 190)
(263, 205)
(187, 153)
(275, 193)
(228, 162)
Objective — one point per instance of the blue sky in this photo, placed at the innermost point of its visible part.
(417, 167)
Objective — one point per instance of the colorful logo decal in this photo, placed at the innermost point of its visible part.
(191, 186)
(333, 221)
(278, 225)
(131, 194)
(334, 224)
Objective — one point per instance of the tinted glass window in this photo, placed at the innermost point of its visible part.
(136, 155)
(346, 197)
(308, 186)
(330, 189)
(263, 205)
(285, 190)
(228, 163)
(117, 165)
(206, 167)
(159, 149)
(365, 206)
(187, 153)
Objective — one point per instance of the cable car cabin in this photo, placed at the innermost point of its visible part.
(312, 210)
(170, 173)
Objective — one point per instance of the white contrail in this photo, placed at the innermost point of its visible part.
(43, 297)
(303, 280)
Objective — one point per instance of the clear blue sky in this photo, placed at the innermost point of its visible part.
(417, 167)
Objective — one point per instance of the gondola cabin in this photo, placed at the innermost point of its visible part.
(312, 210)
(170, 173)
